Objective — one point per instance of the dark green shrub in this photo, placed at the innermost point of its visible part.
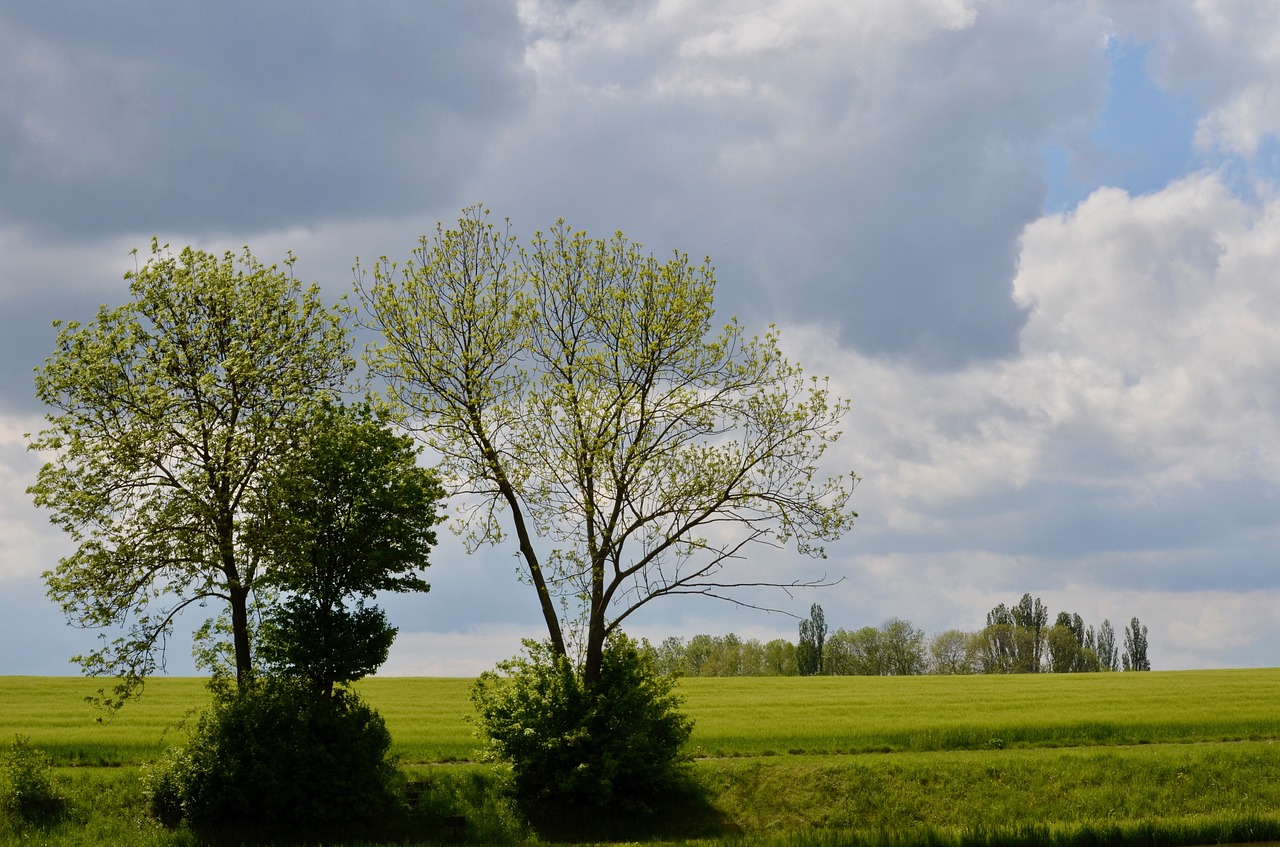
(615, 744)
(27, 790)
(278, 757)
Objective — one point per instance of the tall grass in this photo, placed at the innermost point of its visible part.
(52, 712)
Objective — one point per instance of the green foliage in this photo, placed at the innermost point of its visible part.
(275, 757)
(895, 648)
(1014, 637)
(955, 651)
(349, 513)
(1019, 640)
(324, 645)
(1071, 647)
(27, 790)
(1135, 647)
(166, 413)
(811, 646)
(479, 794)
(1108, 652)
(346, 516)
(614, 743)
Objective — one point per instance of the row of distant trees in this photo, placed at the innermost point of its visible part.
(1016, 639)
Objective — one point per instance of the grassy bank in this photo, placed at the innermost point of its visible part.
(1167, 794)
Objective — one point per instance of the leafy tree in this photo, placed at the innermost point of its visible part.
(1063, 649)
(902, 648)
(1031, 619)
(818, 622)
(895, 648)
(1135, 647)
(999, 642)
(813, 637)
(699, 656)
(752, 658)
(344, 517)
(854, 653)
(954, 651)
(714, 655)
(780, 658)
(669, 656)
(726, 656)
(168, 412)
(1071, 646)
(1014, 637)
(576, 391)
(1108, 653)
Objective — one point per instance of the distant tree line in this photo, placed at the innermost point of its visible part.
(1016, 639)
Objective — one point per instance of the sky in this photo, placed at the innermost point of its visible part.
(1036, 245)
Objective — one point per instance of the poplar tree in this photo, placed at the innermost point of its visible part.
(1135, 647)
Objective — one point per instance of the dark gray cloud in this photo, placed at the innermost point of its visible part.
(240, 116)
(878, 186)
(28, 340)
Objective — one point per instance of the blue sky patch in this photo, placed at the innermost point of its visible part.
(1142, 140)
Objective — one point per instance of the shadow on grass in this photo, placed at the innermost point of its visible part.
(685, 812)
(474, 805)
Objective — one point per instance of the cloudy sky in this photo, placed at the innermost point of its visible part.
(1036, 244)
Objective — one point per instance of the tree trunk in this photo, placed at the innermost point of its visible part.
(240, 633)
(591, 668)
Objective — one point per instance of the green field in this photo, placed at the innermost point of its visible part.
(1153, 758)
(737, 716)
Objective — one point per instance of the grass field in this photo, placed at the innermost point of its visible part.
(737, 716)
(1153, 758)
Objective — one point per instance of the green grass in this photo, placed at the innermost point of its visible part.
(426, 717)
(1007, 788)
(754, 716)
(52, 711)
(1069, 761)
(737, 717)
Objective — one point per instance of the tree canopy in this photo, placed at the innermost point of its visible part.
(348, 515)
(168, 413)
(576, 391)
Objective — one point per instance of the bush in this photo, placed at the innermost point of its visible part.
(278, 757)
(616, 744)
(27, 791)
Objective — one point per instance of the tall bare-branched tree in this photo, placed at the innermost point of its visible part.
(577, 392)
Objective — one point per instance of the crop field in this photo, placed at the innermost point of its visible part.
(1153, 758)
(885, 714)
(763, 716)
